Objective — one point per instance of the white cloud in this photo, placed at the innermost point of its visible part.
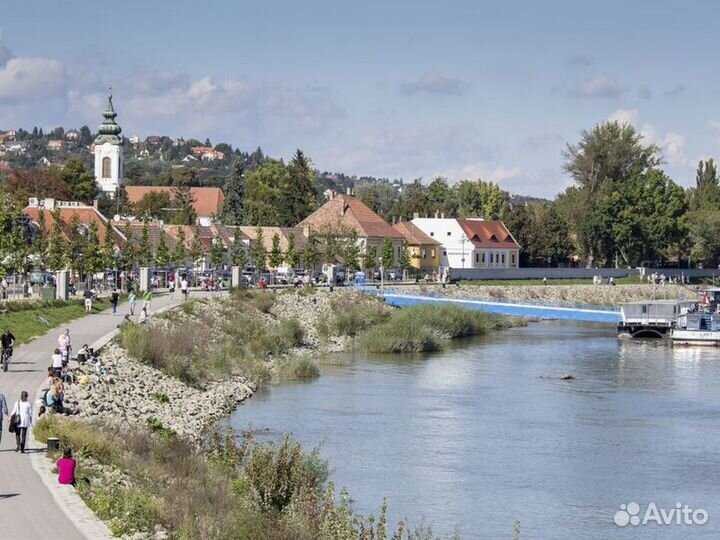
(435, 83)
(603, 87)
(24, 78)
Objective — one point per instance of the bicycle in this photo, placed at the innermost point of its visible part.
(6, 354)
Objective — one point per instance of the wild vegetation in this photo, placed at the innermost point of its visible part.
(428, 328)
(136, 479)
(203, 342)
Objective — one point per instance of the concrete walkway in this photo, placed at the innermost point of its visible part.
(28, 511)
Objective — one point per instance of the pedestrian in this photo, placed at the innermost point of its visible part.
(184, 287)
(23, 410)
(147, 298)
(64, 345)
(545, 281)
(143, 315)
(66, 468)
(4, 287)
(132, 299)
(3, 412)
(114, 297)
(88, 300)
(171, 285)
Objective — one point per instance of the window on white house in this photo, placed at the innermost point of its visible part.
(449, 233)
(503, 258)
(444, 253)
(512, 259)
(106, 168)
(432, 233)
(483, 258)
(423, 253)
(432, 253)
(477, 257)
(491, 258)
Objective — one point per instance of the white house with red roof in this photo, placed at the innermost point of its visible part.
(472, 242)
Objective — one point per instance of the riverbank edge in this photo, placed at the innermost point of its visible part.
(66, 496)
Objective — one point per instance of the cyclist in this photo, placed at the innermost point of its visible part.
(7, 340)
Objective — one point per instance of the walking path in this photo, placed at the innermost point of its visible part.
(28, 510)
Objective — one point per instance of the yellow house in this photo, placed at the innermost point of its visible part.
(424, 251)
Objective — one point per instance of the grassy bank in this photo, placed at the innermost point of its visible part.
(28, 319)
(204, 341)
(137, 479)
(629, 280)
(428, 328)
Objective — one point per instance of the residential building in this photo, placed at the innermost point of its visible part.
(55, 144)
(343, 213)
(134, 140)
(268, 233)
(424, 250)
(207, 201)
(66, 210)
(109, 154)
(153, 140)
(472, 242)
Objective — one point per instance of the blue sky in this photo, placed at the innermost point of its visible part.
(490, 90)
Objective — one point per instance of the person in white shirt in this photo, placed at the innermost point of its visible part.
(64, 344)
(143, 315)
(57, 362)
(184, 288)
(23, 409)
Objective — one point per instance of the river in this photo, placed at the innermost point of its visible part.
(486, 433)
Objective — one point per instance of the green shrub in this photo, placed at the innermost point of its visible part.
(298, 367)
(427, 328)
(161, 397)
(125, 510)
(354, 313)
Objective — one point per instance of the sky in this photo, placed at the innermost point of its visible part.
(399, 89)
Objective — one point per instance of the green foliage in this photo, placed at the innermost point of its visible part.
(387, 257)
(262, 194)
(183, 199)
(276, 254)
(480, 199)
(238, 253)
(404, 261)
(56, 244)
(297, 368)
(156, 205)
(312, 251)
(352, 251)
(179, 255)
(233, 208)
(161, 397)
(297, 191)
(291, 255)
(217, 253)
(81, 181)
(351, 314)
(370, 257)
(162, 253)
(257, 250)
(145, 254)
(427, 328)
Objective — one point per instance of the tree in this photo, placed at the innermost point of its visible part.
(706, 193)
(145, 255)
(352, 251)
(108, 247)
(261, 204)
(413, 200)
(57, 245)
(609, 153)
(156, 205)
(552, 236)
(387, 254)
(179, 256)
(9, 215)
(40, 183)
(234, 190)
(94, 262)
(257, 250)
(184, 202)
(297, 191)
(81, 181)
(276, 255)
(312, 251)
(370, 257)
(162, 253)
(238, 254)
(600, 164)
(197, 250)
(217, 253)
(75, 254)
(291, 254)
(404, 262)
(40, 242)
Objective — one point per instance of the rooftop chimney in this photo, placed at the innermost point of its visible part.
(348, 191)
(436, 214)
(442, 215)
(416, 215)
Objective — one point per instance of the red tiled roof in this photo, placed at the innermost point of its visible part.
(208, 200)
(348, 211)
(86, 215)
(413, 234)
(488, 234)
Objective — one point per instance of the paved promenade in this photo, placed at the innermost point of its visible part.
(28, 511)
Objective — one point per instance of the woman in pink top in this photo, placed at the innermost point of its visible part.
(66, 468)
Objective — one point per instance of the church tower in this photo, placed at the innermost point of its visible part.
(109, 156)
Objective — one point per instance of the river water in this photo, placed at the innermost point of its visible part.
(486, 433)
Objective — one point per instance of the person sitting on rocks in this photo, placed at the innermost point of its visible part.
(83, 354)
(67, 375)
(143, 315)
(50, 379)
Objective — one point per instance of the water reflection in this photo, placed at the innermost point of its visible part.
(486, 433)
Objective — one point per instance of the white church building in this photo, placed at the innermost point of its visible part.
(109, 155)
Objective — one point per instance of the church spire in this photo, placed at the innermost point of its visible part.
(109, 129)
